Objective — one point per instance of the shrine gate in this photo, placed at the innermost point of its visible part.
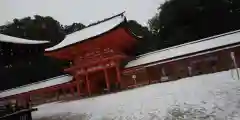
(96, 54)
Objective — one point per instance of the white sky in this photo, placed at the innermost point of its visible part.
(84, 11)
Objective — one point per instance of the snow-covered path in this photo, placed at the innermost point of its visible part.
(206, 97)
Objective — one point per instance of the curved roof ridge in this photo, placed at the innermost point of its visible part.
(106, 19)
(89, 32)
(12, 39)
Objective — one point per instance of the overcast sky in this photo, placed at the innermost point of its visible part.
(84, 11)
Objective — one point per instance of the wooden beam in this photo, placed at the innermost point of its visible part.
(87, 64)
(118, 75)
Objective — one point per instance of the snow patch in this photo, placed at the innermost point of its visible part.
(205, 97)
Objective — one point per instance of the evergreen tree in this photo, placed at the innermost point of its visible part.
(180, 21)
(24, 64)
(147, 42)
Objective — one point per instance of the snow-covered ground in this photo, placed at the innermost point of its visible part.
(207, 97)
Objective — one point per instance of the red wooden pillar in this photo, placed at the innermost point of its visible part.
(18, 100)
(72, 89)
(21, 100)
(77, 84)
(88, 85)
(149, 79)
(28, 100)
(147, 75)
(63, 92)
(106, 79)
(24, 100)
(118, 75)
(57, 94)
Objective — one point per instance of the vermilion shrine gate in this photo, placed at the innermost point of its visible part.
(96, 54)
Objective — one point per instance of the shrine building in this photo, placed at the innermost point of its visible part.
(97, 53)
(102, 61)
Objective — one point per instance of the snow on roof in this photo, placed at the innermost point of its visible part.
(10, 39)
(35, 86)
(89, 32)
(188, 48)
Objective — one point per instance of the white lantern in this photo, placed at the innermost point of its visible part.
(134, 76)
